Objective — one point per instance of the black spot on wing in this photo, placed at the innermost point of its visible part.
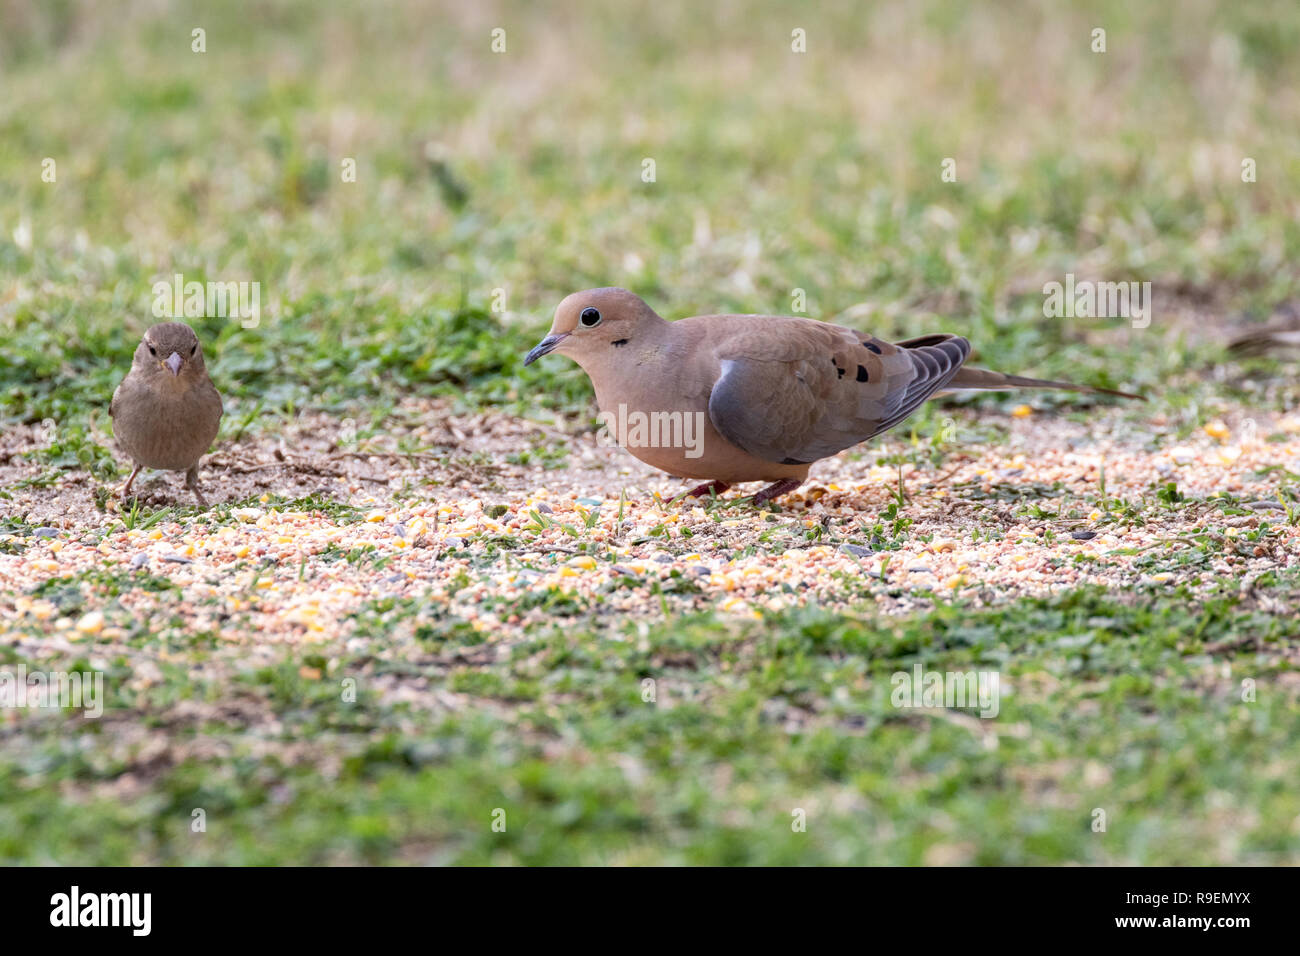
(862, 374)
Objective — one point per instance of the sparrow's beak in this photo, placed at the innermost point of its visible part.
(545, 346)
(174, 362)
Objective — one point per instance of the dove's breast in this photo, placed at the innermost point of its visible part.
(660, 414)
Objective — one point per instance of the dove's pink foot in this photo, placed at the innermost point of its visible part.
(708, 488)
(776, 489)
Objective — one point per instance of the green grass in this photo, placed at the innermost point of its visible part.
(775, 171)
(1112, 702)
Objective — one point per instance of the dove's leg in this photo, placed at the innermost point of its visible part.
(708, 488)
(776, 489)
(126, 490)
(192, 483)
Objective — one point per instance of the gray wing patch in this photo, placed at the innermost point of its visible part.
(750, 413)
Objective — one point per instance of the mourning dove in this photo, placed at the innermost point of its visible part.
(166, 411)
(735, 398)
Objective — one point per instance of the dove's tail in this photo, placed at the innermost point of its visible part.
(968, 377)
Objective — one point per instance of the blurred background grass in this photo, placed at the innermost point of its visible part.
(521, 171)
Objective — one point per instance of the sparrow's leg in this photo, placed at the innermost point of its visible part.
(192, 483)
(776, 489)
(699, 491)
(126, 490)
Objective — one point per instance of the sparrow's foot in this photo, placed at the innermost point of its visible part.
(126, 489)
(192, 483)
(775, 490)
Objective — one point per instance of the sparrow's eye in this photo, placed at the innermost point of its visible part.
(590, 318)
(151, 349)
(193, 349)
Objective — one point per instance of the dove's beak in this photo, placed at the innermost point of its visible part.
(174, 362)
(545, 346)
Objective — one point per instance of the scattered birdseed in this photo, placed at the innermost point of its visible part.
(989, 523)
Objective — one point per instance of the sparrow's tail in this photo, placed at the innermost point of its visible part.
(968, 377)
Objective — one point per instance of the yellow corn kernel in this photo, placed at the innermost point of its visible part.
(1217, 430)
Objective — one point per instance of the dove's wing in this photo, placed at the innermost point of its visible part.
(794, 390)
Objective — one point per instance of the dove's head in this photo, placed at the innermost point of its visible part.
(591, 326)
(170, 353)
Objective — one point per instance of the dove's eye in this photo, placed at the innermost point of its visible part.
(590, 318)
